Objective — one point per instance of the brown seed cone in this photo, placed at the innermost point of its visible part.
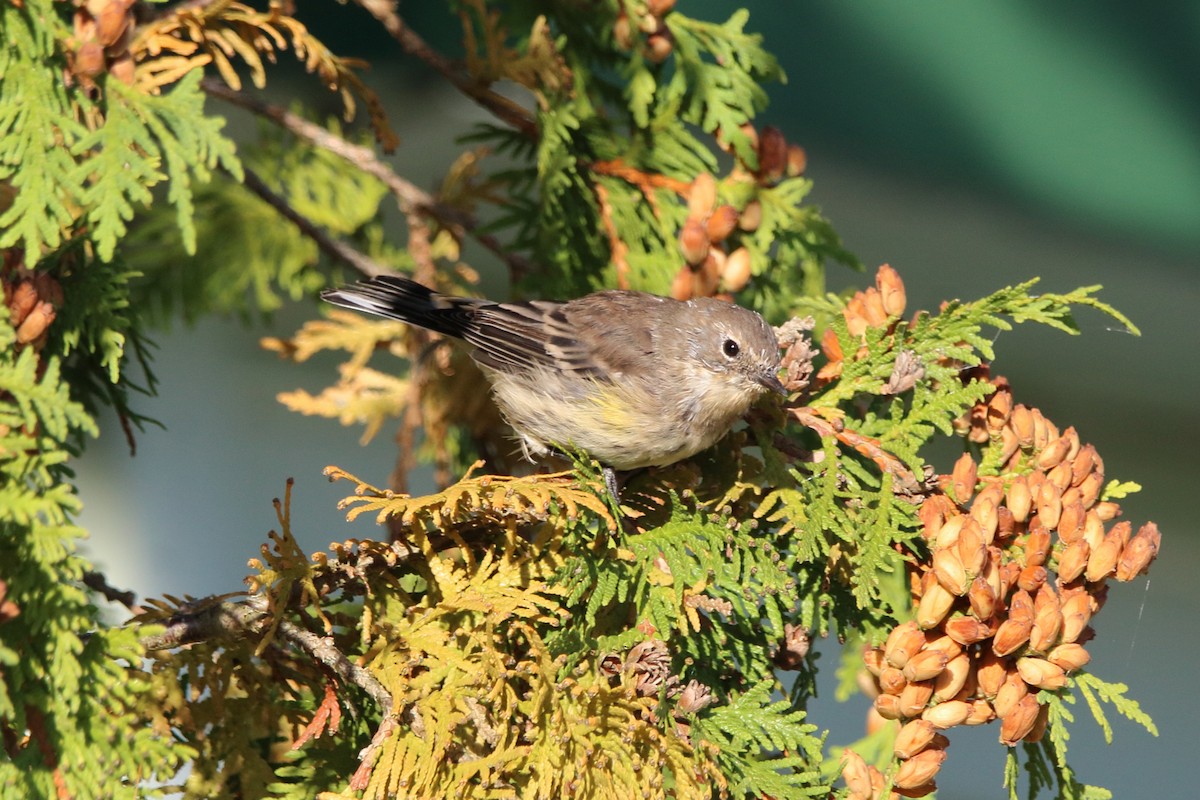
(1032, 578)
(942, 643)
(1108, 510)
(963, 478)
(751, 217)
(1011, 636)
(892, 681)
(1060, 476)
(1070, 656)
(1011, 692)
(967, 630)
(1073, 560)
(951, 680)
(951, 574)
(905, 640)
(981, 713)
(913, 737)
(36, 323)
(999, 409)
(992, 572)
(873, 660)
(707, 277)
(772, 154)
(924, 790)
(891, 290)
(659, 46)
(1039, 725)
(984, 512)
(925, 665)
(702, 196)
(1102, 561)
(1047, 626)
(797, 160)
(855, 774)
(915, 698)
(1008, 445)
(935, 604)
(949, 530)
(1077, 613)
(24, 296)
(1041, 673)
(693, 241)
(1139, 553)
(920, 769)
(1016, 726)
(1037, 546)
(1019, 499)
(1053, 455)
(721, 223)
(681, 286)
(1009, 572)
(1049, 504)
(873, 308)
(1089, 490)
(111, 23)
(1070, 521)
(972, 548)
(736, 272)
(991, 671)
(888, 706)
(1093, 529)
(1082, 464)
(947, 715)
(1021, 423)
(982, 598)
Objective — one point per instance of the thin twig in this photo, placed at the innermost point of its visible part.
(98, 583)
(385, 12)
(327, 244)
(323, 650)
(410, 197)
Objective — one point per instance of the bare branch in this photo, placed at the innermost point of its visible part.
(508, 111)
(327, 244)
(410, 197)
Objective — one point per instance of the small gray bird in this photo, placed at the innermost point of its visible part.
(632, 379)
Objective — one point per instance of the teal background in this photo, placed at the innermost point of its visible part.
(971, 145)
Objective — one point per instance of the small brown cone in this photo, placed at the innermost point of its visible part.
(1016, 725)
(905, 641)
(1070, 656)
(1041, 673)
(925, 665)
(891, 290)
(1139, 553)
(914, 737)
(963, 478)
(947, 715)
(920, 769)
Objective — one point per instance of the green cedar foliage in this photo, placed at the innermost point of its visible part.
(513, 636)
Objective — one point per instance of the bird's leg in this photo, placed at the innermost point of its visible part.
(613, 483)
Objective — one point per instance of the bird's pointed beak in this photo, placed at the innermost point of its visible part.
(771, 381)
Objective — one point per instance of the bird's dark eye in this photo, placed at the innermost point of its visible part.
(731, 348)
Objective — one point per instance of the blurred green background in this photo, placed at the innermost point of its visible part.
(969, 145)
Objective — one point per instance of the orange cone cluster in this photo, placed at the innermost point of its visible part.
(32, 300)
(1017, 567)
(103, 31)
(711, 268)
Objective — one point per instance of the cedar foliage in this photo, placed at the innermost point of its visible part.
(514, 635)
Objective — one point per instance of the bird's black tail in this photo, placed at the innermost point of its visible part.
(406, 300)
